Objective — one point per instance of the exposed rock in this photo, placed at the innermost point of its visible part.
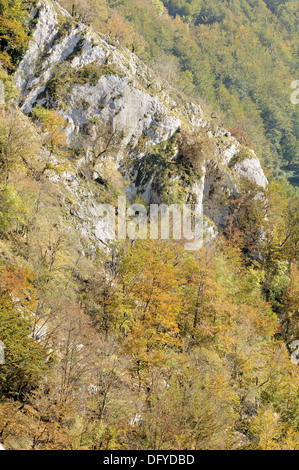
(251, 169)
(129, 110)
(107, 87)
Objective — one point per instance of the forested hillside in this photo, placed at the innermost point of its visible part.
(141, 344)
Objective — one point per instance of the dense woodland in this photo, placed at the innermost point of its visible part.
(146, 345)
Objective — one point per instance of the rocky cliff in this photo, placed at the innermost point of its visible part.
(126, 128)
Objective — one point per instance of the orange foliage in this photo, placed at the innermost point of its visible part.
(16, 284)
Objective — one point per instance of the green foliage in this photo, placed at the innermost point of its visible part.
(24, 357)
(10, 93)
(13, 32)
(9, 202)
(173, 166)
(239, 158)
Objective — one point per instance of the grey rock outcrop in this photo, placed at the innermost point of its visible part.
(104, 85)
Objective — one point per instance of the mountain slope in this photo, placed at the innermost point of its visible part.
(117, 113)
(241, 57)
(136, 344)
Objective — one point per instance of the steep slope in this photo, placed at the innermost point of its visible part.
(136, 345)
(118, 114)
(239, 56)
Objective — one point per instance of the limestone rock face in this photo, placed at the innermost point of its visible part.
(95, 84)
(113, 100)
(251, 168)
